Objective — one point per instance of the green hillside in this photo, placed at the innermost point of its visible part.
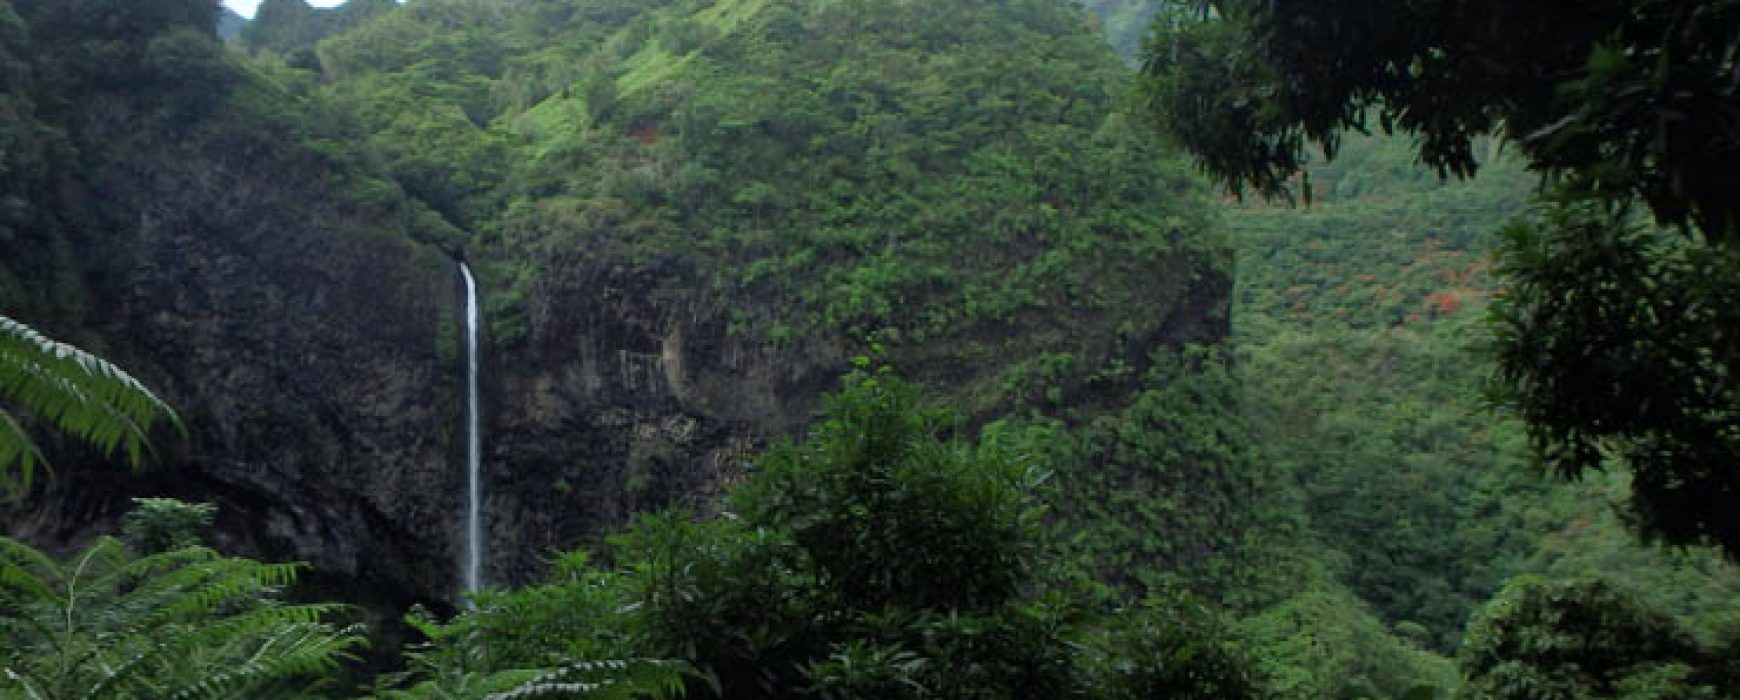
(838, 349)
(844, 157)
(956, 184)
(1360, 325)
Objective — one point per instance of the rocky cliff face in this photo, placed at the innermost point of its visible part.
(632, 393)
(298, 336)
(266, 277)
(314, 364)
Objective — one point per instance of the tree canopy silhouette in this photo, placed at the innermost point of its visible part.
(1614, 338)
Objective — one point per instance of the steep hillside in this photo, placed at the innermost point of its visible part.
(690, 214)
(291, 28)
(189, 218)
(686, 216)
(1359, 323)
(843, 156)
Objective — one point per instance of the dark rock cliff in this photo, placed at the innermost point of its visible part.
(631, 393)
(314, 361)
(313, 357)
(297, 334)
(274, 288)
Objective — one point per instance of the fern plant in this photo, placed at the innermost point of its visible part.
(611, 679)
(74, 391)
(539, 642)
(184, 624)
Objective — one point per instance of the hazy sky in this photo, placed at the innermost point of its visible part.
(246, 7)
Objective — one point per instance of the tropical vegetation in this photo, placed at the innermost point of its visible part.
(1605, 345)
(79, 394)
(1089, 426)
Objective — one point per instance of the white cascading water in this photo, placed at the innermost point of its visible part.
(473, 442)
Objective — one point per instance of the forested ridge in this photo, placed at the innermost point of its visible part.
(832, 348)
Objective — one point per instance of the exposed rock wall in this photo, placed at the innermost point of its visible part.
(296, 333)
(274, 289)
(315, 363)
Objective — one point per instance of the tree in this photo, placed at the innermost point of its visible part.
(162, 524)
(1173, 646)
(1580, 640)
(78, 393)
(1616, 339)
(1632, 98)
(124, 20)
(877, 559)
(890, 514)
(560, 639)
(1621, 105)
(880, 558)
(874, 559)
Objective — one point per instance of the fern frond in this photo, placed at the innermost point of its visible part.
(186, 623)
(23, 569)
(17, 448)
(464, 685)
(615, 679)
(289, 652)
(200, 589)
(266, 619)
(78, 393)
(31, 690)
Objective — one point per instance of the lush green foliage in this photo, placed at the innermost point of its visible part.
(958, 180)
(874, 559)
(848, 495)
(1164, 490)
(1174, 647)
(604, 680)
(1623, 97)
(956, 174)
(1586, 284)
(562, 638)
(77, 393)
(1356, 321)
(1325, 643)
(1619, 102)
(163, 524)
(181, 623)
(1580, 639)
(293, 27)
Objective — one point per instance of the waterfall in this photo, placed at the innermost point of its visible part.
(473, 442)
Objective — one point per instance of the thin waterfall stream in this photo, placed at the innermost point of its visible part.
(473, 442)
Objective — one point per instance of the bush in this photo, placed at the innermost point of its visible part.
(1577, 640)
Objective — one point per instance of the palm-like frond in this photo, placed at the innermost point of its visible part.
(187, 624)
(16, 447)
(613, 679)
(445, 674)
(78, 393)
(295, 650)
(462, 685)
